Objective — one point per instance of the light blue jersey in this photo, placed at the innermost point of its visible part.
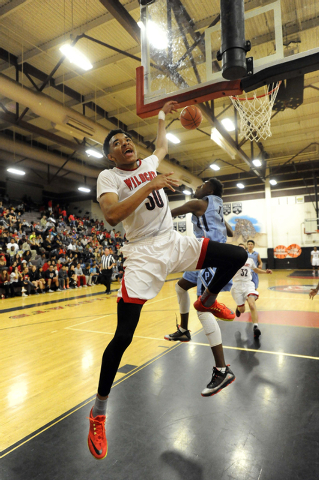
(210, 225)
(255, 278)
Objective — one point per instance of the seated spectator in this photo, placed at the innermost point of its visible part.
(13, 244)
(6, 285)
(86, 272)
(94, 272)
(81, 277)
(73, 277)
(63, 278)
(51, 278)
(27, 255)
(34, 276)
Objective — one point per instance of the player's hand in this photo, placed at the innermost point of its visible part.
(313, 292)
(170, 107)
(269, 271)
(164, 180)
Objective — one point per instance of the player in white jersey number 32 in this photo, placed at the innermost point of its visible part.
(132, 193)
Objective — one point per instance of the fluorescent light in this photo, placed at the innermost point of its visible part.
(14, 170)
(222, 143)
(215, 167)
(257, 162)
(84, 189)
(156, 35)
(240, 185)
(228, 124)
(93, 153)
(75, 56)
(140, 24)
(187, 192)
(273, 182)
(172, 138)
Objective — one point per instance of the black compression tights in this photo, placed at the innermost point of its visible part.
(227, 258)
(128, 315)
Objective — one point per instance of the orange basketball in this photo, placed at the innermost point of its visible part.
(191, 117)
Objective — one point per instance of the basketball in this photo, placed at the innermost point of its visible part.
(191, 117)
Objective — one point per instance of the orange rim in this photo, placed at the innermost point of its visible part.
(258, 96)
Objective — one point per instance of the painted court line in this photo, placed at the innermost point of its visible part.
(207, 345)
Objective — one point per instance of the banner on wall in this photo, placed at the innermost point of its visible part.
(292, 251)
(280, 251)
(182, 227)
(237, 208)
(226, 208)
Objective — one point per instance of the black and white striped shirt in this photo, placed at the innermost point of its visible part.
(107, 261)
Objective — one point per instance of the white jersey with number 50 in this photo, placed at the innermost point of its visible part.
(152, 216)
(244, 273)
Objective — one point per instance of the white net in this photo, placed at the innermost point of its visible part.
(255, 112)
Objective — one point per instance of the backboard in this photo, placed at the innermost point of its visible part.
(180, 40)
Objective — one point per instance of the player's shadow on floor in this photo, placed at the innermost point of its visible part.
(247, 358)
(187, 469)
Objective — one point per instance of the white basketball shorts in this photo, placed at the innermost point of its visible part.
(241, 291)
(148, 262)
(315, 262)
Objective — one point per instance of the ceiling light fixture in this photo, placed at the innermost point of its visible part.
(257, 162)
(228, 124)
(93, 153)
(221, 142)
(76, 57)
(187, 192)
(172, 138)
(240, 185)
(15, 171)
(84, 189)
(215, 167)
(273, 182)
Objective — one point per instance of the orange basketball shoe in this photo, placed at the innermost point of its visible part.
(219, 310)
(97, 442)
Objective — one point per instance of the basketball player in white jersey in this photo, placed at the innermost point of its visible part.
(244, 289)
(314, 260)
(133, 193)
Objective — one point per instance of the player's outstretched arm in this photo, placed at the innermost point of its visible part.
(161, 140)
(197, 207)
(313, 292)
(115, 212)
(260, 270)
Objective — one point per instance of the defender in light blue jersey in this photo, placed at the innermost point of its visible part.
(257, 260)
(208, 221)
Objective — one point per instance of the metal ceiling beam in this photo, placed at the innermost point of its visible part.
(44, 47)
(12, 119)
(123, 17)
(12, 7)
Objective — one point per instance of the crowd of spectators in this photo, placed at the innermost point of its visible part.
(54, 252)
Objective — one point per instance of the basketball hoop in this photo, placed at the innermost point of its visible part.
(255, 112)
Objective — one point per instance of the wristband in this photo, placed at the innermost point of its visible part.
(161, 115)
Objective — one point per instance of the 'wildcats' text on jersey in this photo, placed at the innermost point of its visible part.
(153, 215)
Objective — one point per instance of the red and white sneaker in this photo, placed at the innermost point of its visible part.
(97, 442)
(219, 310)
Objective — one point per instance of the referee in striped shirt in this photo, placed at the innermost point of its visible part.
(108, 263)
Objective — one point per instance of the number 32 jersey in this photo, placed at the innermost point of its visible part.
(244, 274)
(152, 216)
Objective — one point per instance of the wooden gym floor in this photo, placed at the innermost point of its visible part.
(262, 427)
